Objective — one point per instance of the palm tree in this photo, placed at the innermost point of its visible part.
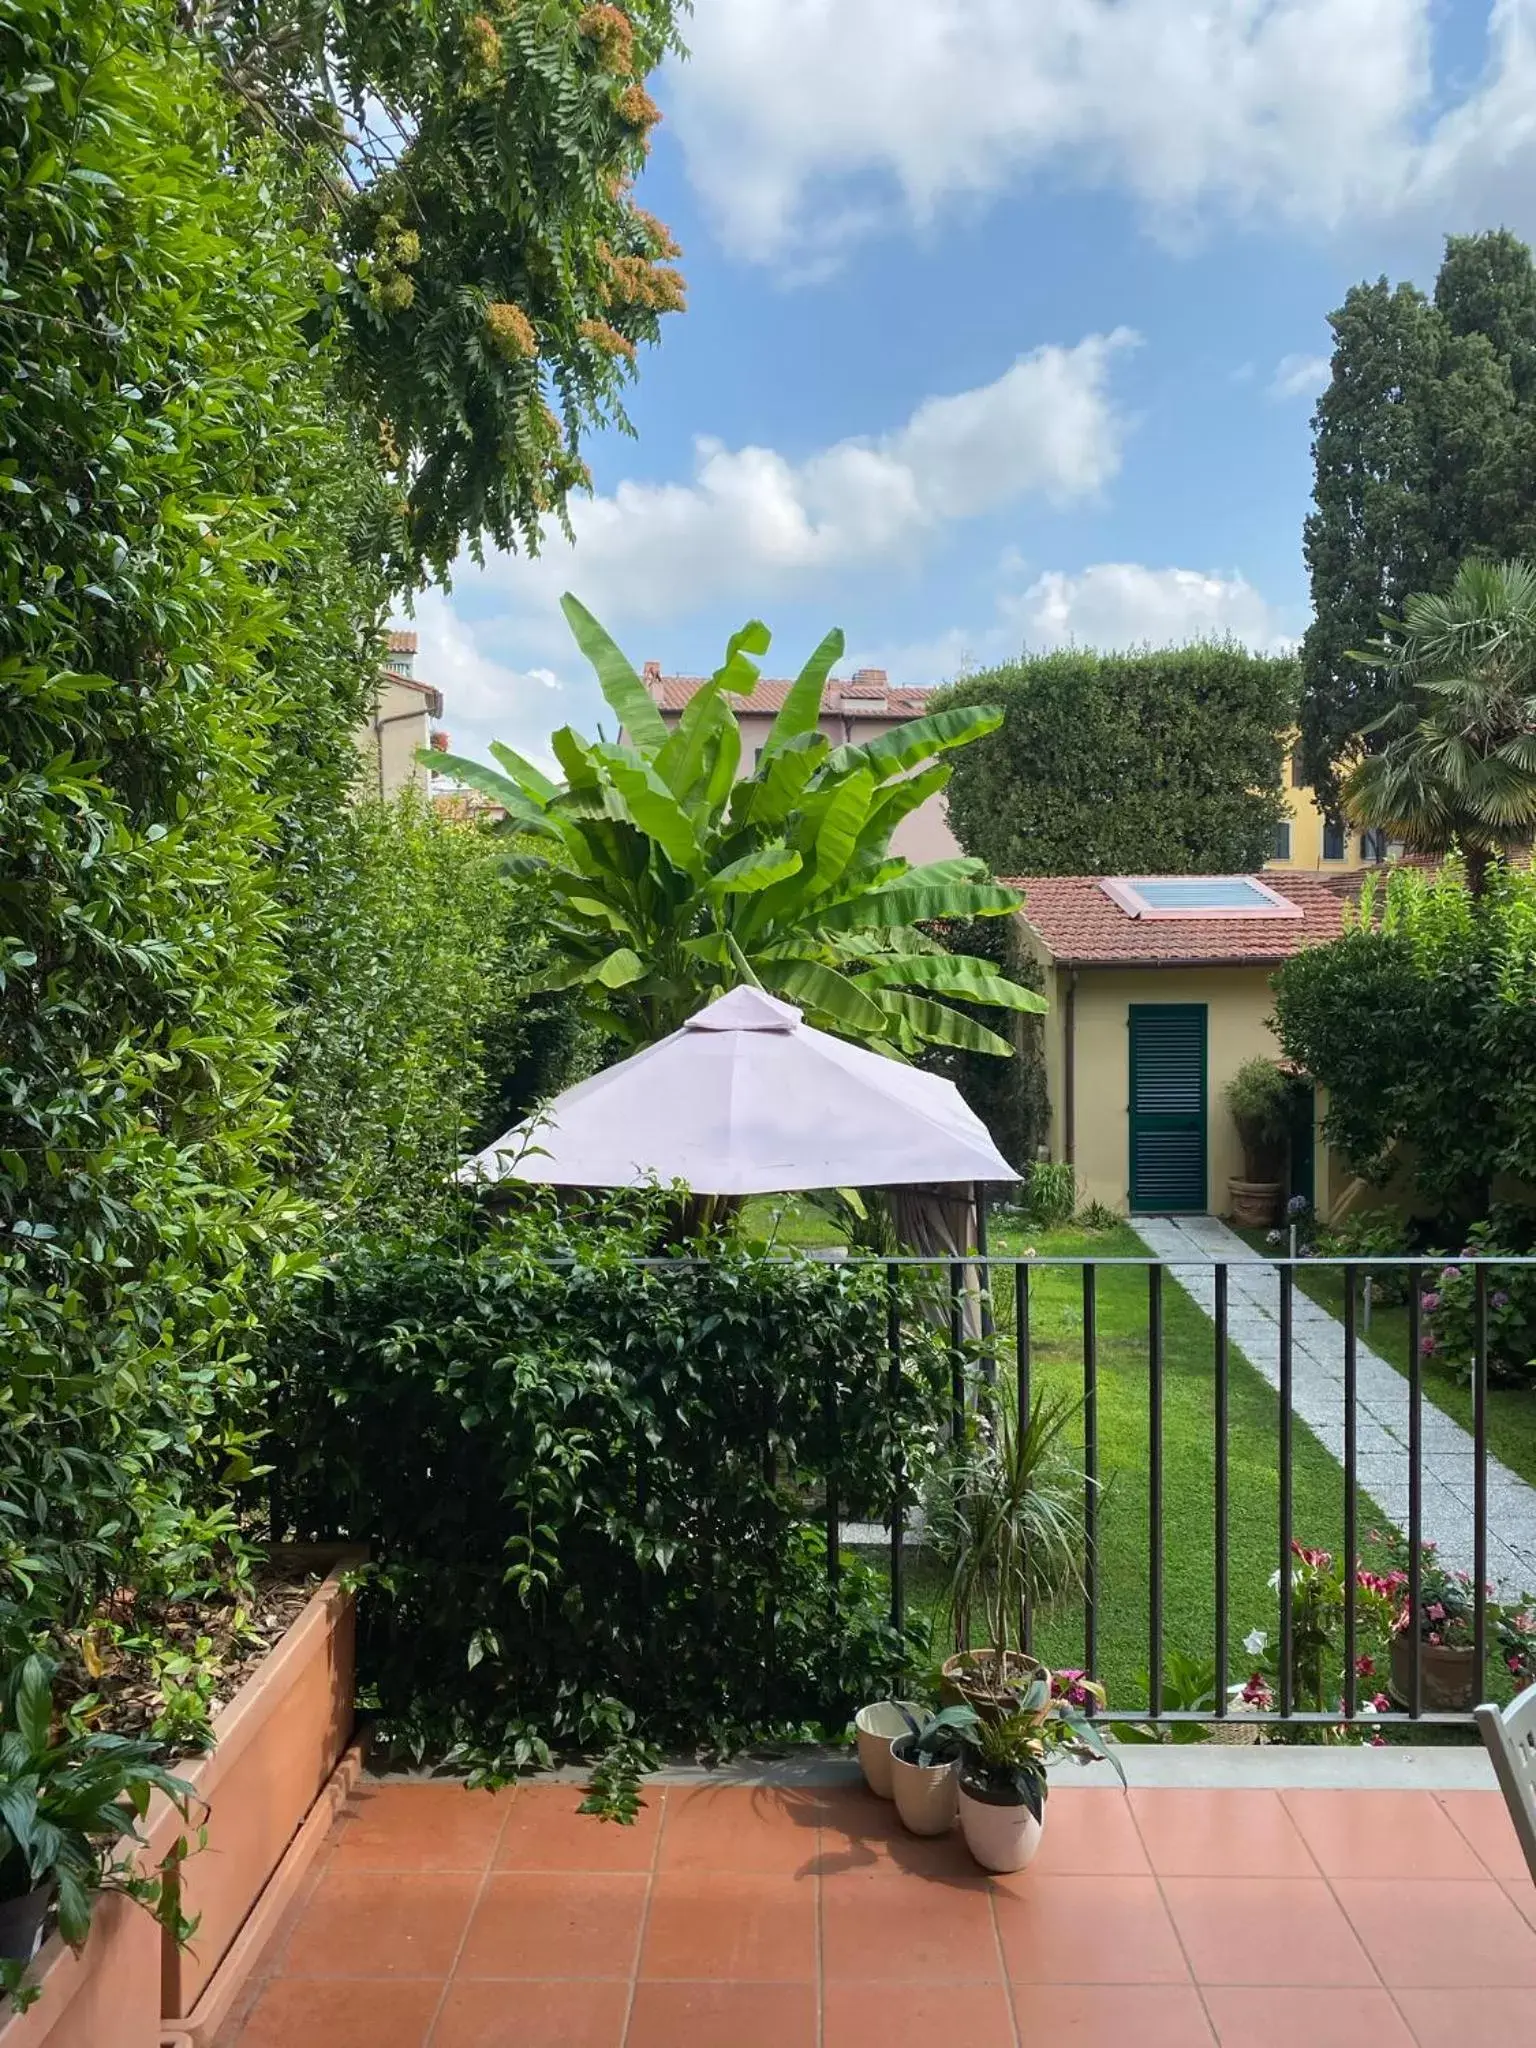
(1458, 770)
(676, 880)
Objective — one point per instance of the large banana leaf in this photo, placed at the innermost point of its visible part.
(769, 796)
(894, 752)
(680, 762)
(532, 781)
(906, 902)
(838, 827)
(651, 806)
(951, 974)
(822, 989)
(897, 800)
(801, 709)
(754, 871)
(626, 694)
(934, 1024)
(502, 791)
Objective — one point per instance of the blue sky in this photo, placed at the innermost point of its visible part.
(1006, 321)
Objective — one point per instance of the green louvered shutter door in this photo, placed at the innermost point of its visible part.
(1168, 1134)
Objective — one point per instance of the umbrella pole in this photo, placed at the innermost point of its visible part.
(988, 1325)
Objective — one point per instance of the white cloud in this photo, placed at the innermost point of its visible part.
(1299, 376)
(1126, 604)
(752, 520)
(483, 699)
(807, 122)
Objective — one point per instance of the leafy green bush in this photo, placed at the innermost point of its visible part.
(593, 1490)
(1050, 1193)
(1162, 762)
(1449, 1305)
(1259, 1099)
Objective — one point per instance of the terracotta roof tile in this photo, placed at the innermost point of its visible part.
(1082, 926)
(400, 643)
(866, 695)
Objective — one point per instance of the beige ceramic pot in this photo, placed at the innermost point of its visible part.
(876, 1727)
(1255, 1203)
(924, 1793)
(1000, 1836)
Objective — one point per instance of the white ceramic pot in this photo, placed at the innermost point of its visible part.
(999, 1837)
(924, 1793)
(876, 1727)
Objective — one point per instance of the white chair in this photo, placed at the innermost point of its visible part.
(1510, 1734)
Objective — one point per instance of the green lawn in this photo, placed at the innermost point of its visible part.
(1188, 1457)
(1511, 1410)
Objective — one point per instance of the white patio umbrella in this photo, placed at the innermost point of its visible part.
(748, 1099)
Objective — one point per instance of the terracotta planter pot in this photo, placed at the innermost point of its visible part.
(1448, 1679)
(278, 1743)
(963, 1684)
(1000, 1834)
(924, 1793)
(876, 1727)
(1255, 1204)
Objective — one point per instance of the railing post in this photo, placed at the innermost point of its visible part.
(1351, 1498)
(898, 1463)
(1287, 1310)
(834, 1519)
(1480, 1478)
(1155, 1487)
(1090, 1469)
(1415, 1495)
(956, 1350)
(1222, 1675)
(1021, 1360)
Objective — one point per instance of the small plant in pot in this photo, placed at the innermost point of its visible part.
(1004, 1515)
(876, 1727)
(1001, 1786)
(68, 1799)
(1259, 1098)
(1449, 1680)
(923, 1766)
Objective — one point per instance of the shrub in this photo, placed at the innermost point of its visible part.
(1259, 1098)
(1449, 1318)
(593, 1489)
(1050, 1193)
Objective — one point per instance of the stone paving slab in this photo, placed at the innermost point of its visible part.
(1194, 1245)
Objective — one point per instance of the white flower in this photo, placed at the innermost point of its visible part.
(1274, 1581)
(1256, 1642)
(1369, 1707)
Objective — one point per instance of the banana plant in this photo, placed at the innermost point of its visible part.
(676, 877)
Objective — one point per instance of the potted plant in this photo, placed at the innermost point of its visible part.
(1001, 1785)
(1449, 1680)
(69, 1801)
(923, 1766)
(1259, 1098)
(1004, 1513)
(876, 1727)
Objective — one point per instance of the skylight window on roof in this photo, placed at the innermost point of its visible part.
(1160, 896)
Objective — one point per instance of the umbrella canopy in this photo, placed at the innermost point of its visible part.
(748, 1099)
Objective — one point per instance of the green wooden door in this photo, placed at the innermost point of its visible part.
(1168, 1108)
(1303, 1138)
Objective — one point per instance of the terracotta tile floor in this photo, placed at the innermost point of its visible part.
(741, 1917)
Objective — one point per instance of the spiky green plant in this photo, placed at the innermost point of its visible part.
(676, 880)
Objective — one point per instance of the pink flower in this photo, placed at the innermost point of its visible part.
(1435, 1610)
(1434, 1637)
(1365, 1667)
(1069, 1686)
(1427, 1345)
(1378, 1740)
(1429, 1302)
(1256, 1693)
(1382, 1704)
(1450, 1273)
(1320, 1560)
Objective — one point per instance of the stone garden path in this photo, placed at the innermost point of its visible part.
(1193, 1245)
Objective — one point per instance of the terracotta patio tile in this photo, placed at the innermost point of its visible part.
(419, 1827)
(1301, 2017)
(1467, 2017)
(364, 1924)
(544, 1831)
(530, 2014)
(1086, 1930)
(862, 1833)
(1266, 1930)
(916, 2016)
(892, 1927)
(766, 1828)
(708, 2015)
(555, 1924)
(1484, 1819)
(1523, 1892)
(1114, 2016)
(1381, 1834)
(1421, 1933)
(1090, 1831)
(752, 1925)
(308, 2014)
(1190, 1833)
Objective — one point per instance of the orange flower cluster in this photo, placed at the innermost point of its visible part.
(638, 108)
(660, 235)
(483, 41)
(608, 339)
(511, 331)
(637, 281)
(611, 29)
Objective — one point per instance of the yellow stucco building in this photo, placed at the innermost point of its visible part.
(1159, 990)
(1309, 841)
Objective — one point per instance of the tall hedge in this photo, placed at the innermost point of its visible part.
(1151, 763)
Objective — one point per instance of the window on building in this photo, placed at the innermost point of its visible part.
(1281, 850)
(1373, 845)
(1335, 840)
